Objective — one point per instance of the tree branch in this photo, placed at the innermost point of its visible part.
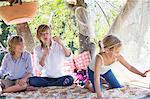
(103, 13)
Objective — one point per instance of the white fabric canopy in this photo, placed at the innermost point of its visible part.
(132, 26)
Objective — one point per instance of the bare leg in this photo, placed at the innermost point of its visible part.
(31, 88)
(15, 88)
(0, 90)
(72, 86)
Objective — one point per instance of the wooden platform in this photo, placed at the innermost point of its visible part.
(128, 92)
(135, 89)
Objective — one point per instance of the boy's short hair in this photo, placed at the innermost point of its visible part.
(12, 42)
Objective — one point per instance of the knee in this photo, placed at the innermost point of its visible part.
(71, 79)
(32, 81)
(68, 81)
(23, 87)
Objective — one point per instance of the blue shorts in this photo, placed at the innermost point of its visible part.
(109, 77)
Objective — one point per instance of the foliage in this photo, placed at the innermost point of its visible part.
(62, 19)
(105, 12)
(4, 34)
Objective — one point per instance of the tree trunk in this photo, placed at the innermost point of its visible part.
(126, 11)
(86, 45)
(24, 30)
(81, 15)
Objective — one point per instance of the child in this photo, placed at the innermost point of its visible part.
(109, 53)
(16, 67)
(49, 58)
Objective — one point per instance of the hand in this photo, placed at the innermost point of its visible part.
(22, 81)
(146, 72)
(58, 40)
(46, 51)
(100, 96)
(143, 75)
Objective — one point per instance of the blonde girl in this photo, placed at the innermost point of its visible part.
(109, 53)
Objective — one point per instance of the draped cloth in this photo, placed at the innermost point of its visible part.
(132, 27)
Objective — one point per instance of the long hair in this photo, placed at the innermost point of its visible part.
(41, 28)
(109, 42)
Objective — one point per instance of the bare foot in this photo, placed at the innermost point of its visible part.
(31, 88)
(72, 86)
(106, 86)
(89, 86)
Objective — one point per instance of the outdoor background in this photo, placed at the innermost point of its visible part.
(102, 14)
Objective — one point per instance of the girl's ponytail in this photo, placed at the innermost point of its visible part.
(101, 46)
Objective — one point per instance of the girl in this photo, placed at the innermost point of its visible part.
(16, 67)
(49, 58)
(109, 53)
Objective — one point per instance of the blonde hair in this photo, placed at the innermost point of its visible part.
(109, 42)
(12, 42)
(40, 29)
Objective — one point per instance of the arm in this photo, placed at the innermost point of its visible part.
(98, 65)
(29, 69)
(24, 80)
(42, 60)
(26, 76)
(66, 51)
(39, 60)
(3, 66)
(129, 67)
